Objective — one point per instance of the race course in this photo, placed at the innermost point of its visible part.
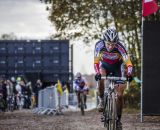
(26, 120)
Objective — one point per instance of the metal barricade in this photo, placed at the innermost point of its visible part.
(50, 102)
(50, 99)
(73, 99)
(40, 98)
(64, 100)
(47, 101)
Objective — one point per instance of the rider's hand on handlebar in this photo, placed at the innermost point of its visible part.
(98, 77)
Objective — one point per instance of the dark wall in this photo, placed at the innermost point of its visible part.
(151, 68)
(46, 59)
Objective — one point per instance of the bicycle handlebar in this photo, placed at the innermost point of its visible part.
(117, 78)
(114, 78)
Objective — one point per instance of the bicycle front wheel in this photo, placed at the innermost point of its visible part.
(82, 103)
(114, 111)
(110, 112)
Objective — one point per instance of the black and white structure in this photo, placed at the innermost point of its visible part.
(46, 59)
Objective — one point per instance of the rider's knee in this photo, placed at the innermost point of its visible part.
(101, 84)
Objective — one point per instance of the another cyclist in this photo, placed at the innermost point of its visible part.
(80, 86)
(110, 57)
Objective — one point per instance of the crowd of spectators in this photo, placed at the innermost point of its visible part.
(16, 93)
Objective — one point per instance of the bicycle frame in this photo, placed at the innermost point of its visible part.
(110, 102)
(82, 102)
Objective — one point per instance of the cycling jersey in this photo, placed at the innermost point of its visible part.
(111, 60)
(80, 85)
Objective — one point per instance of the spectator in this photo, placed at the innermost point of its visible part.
(13, 80)
(37, 88)
(19, 93)
(4, 83)
(10, 95)
(2, 102)
(27, 95)
(67, 86)
(9, 87)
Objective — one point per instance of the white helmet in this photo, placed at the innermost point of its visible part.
(78, 75)
(13, 79)
(110, 35)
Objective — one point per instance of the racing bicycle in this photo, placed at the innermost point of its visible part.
(110, 99)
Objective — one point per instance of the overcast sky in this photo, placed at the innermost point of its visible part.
(29, 19)
(25, 18)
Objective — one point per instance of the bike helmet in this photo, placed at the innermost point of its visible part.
(78, 75)
(110, 35)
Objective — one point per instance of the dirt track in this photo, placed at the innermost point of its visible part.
(26, 120)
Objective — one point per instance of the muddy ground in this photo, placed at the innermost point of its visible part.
(26, 120)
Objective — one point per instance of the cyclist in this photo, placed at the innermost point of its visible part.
(80, 86)
(110, 56)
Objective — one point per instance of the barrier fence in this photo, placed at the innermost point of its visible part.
(51, 102)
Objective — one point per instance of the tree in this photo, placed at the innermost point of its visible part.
(87, 19)
(10, 36)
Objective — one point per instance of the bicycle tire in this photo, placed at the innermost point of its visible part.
(114, 112)
(82, 103)
(110, 112)
(105, 112)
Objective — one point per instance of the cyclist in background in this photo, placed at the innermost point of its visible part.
(79, 86)
(110, 56)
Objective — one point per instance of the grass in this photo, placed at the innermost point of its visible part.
(129, 110)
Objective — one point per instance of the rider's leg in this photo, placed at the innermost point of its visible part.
(86, 90)
(77, 90)
(85, 99)
(78, 98)
(101, 91)
(120, 91)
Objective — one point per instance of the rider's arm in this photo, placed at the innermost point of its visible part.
(98, 47)
(75, 85)
(126, 59)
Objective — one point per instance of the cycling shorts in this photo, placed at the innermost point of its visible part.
(116, 70)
